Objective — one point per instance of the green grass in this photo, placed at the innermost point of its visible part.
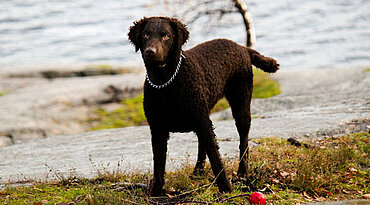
(131, 112)
(264, 85)
(367, 70)
(100, 66)
(334, 168)
(77, 192)
(4, 93)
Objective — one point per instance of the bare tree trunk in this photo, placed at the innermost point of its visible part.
(243, 10)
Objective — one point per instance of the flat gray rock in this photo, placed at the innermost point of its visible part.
(34, 108)
(314, 103)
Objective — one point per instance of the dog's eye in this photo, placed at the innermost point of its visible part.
(166, 37)
(146, 36)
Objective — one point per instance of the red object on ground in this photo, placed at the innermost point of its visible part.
(257, 198)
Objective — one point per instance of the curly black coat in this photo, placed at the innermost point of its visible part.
(208, 72)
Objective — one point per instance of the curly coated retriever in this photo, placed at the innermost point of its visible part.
(182, 87)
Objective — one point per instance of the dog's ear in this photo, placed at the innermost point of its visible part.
(134, 35)
(182, 33)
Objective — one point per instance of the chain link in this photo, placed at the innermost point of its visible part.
(171, 79)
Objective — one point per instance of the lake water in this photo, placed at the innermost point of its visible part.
(300, 34)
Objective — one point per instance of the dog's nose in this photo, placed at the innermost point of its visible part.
(150, 51)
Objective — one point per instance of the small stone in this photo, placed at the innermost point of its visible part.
(5, 141)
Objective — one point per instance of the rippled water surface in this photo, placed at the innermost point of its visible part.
(299, 33)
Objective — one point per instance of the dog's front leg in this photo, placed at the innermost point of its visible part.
(159, 146)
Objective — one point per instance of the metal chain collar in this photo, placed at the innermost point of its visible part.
(171, 79)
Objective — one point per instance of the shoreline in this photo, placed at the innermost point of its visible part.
(7, 70)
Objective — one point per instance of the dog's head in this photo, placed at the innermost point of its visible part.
(158, 37)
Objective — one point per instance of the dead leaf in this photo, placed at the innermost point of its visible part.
(349, 174)
(345, 192)
(275, 181)
(353, 170)
(171, 191)
(366, 196)
(170, 196)
(89, 199)
(263, 190)
(320, 199)
(40, 190)
(327, 192)
(37, 203)
(307, 196)
(284, 174)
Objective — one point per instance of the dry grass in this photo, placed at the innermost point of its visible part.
(333, 168)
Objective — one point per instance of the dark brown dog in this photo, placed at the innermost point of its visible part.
(183, 86)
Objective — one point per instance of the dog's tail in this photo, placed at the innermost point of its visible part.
(266, 64)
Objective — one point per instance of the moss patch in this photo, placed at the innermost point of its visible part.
(131, 113)
(334, 168)
(100, 66)
(264, 85)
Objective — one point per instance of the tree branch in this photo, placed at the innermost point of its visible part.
(210, 12)
(243, 10)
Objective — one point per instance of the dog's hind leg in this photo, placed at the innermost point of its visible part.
(239, 95)
(201, 160)
(243, 122)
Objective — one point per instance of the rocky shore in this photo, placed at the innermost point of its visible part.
(45, 139)
(46, 103)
